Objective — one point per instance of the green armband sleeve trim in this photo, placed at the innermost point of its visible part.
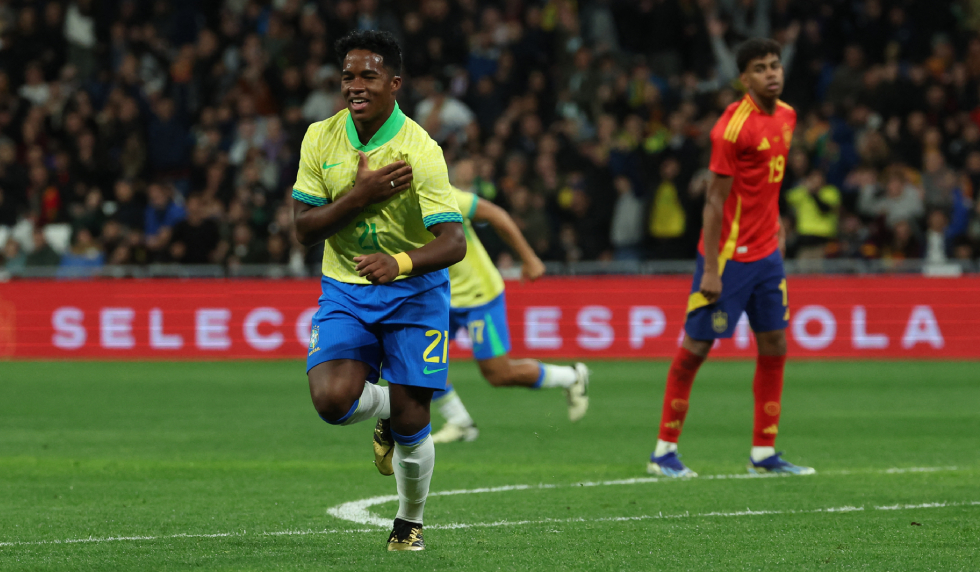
(476, 201)
(309, 199)
(439, 218)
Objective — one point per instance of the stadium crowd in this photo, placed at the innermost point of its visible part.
(168, 131)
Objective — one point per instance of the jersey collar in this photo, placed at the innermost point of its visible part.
(387, 132)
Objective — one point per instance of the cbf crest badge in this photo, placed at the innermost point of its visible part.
(314, 339)
(719, 321)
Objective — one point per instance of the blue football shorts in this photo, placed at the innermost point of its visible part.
(400, 329)
(757, 288)
(486, 326)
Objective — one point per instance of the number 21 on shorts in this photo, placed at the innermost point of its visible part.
(440, 337)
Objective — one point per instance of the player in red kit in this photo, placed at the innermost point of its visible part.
(740, 266)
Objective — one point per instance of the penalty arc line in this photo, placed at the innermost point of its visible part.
(360, 508)
(457, 526)
(358, 512)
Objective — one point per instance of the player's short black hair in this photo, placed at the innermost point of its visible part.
(755, 48)
(382, 43)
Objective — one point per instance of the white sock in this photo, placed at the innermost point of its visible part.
(372, 403)
(558, 375)
(413, 466)
(452, 408)
(664, 447)
(760, 453)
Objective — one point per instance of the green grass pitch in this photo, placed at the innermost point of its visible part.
(225, 466)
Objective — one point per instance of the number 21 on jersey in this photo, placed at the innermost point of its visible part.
(440, 337)
(367, 238)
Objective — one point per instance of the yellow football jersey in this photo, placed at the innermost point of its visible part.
(474, 279)
(328, 166)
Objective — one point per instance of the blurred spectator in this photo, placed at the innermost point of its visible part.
(853, 240)
(14, 259)
(667, 218)
(169, 140)
(441, 115)
(89, 215)
(848, 78)
(80, 33)
(128, 210)
(35, 90)
(83, 255)
(245, 248)
(936, 237)
(816, 211)
(903, 244)
(195, 239)
(529, 214)
(898, 202)
(626, 234)
(42, 254)
(278, 249)
(162, 214)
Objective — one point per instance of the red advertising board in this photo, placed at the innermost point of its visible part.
(617, 317)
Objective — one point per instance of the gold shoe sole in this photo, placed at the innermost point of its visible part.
(382, 459)
(400, 547)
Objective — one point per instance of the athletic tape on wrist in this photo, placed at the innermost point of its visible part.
(404, 263)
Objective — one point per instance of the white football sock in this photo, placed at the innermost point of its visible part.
(760, 453)
(413, 466)
(372, 403)
(664, 447)
(452, 408)
(558, 375)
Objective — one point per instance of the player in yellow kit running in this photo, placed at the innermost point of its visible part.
(374, 186)
(478, 305)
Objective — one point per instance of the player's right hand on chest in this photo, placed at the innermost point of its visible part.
(382, 184)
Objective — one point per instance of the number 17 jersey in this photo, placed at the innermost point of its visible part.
(750, 146)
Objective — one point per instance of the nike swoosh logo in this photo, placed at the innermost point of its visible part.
(427, 371)
(402, 465)
(325, 166)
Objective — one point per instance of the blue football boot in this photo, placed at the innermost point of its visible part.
(776, 464)
(669, 465)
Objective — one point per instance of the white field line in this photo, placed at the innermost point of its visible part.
(355, 507)
(460, 525)
(359, 511)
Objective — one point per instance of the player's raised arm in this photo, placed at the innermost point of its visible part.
(532, 268)
(317, 223)
(714, 207)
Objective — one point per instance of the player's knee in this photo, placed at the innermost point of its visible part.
(410, 410)
(699, 348)
(772, 343)
(331, 402)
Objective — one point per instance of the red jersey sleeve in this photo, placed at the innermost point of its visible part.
(722, 148)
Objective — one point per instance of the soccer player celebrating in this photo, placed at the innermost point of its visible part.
(478, 305)
(375, 187)
(739, 265)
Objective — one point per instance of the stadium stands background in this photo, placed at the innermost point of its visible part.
(141, 134)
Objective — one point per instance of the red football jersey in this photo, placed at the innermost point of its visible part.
(751, 146)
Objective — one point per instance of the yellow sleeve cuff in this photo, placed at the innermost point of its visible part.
(404, 263)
